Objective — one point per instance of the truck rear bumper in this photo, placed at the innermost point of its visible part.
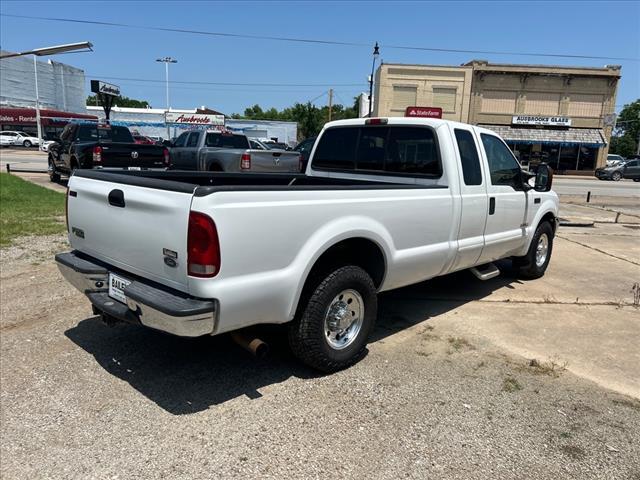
(148, 304)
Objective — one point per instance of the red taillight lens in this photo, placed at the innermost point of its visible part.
(203, 247)
(376, 121)
(97, 154)
(167, 158)
(245, 161)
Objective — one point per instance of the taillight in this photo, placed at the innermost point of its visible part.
(203, 247)
(245, 161)
(167, 158)
(376, 121)
(97, 154)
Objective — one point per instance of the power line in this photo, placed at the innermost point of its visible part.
(316, 41)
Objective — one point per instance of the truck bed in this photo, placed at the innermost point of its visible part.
(205, 183)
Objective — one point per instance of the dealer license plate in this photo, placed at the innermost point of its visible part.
(116, 287)
(135, 168)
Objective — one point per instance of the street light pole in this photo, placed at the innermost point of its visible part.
(376, 52)
(38, 124)
(167, 61)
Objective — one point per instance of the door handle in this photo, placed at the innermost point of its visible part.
(492, 205)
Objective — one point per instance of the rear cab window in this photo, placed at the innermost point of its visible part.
(95, 133)
(222, 140)
(381, 149)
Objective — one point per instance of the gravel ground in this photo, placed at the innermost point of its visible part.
(83, 400)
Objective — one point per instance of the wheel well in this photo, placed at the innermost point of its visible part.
(214, 167)
(361, 252)
(549, 217)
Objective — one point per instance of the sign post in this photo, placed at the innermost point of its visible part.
(106, 93)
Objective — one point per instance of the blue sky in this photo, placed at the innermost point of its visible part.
(609, 29)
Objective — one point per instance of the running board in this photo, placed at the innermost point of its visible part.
(486, 271)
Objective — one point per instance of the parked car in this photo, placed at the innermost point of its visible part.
(384, 203)
(227, 152)
(142, 140)
(44, 147)
(304, 148)
(613, 160)
(278, 146)
(627, 169)
(18, 139)
(90, 145)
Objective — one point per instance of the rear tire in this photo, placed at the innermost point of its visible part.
(54, 176)
(534, 264)
(26, 144)
(330, 332)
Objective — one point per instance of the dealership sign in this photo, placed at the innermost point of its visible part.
(194, 119)
(423, 112)
(104, 88)
(538, 120)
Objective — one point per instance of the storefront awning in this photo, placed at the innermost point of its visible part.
(587, 137)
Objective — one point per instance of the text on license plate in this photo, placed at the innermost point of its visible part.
(116, 287)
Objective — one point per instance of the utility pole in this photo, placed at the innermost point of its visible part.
(376, 52)
(167, 61)
(330, 102)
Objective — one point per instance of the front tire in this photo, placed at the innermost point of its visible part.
(534, 264)
(330, 333)
(616, 176)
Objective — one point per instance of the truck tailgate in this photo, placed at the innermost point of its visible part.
(274, 161)
(127, 155)
(131, 227)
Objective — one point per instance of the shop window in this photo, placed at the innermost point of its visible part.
(498, 101)
(445, 98)
(585, 105)
(403, 97)
(542, 103)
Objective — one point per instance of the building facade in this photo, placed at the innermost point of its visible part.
(398, 86)
(559, 115)
(60, 86)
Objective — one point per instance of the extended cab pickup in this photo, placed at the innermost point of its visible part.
(384, 203)
(228, 152)
(93, 145)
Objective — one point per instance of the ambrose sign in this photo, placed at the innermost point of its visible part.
(194, 119)
(424, 112)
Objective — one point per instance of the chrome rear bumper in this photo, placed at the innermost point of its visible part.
(148, 304)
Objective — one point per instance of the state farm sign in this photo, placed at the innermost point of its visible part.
(424, 112)
(194, 118)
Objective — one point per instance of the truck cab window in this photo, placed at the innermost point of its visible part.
(193, 139)
(181, 140)
(468, 157)
(337, 149)
(503, 166)
(413, 150)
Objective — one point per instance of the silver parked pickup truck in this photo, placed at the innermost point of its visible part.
(215, 151)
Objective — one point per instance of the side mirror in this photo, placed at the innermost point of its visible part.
(544, 178)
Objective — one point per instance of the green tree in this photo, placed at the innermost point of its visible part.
(120, 102)
(625, 134)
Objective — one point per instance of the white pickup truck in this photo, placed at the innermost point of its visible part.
(384, 203)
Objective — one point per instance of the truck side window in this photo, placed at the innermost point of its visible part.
(503, 166)
(193, 139)
(337, 149)
(412, 150)
(468, 157)
(180, 141)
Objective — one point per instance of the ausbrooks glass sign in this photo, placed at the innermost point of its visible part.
(539, 120)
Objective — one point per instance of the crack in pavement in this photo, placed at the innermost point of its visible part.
(620, 303)
(598, 250)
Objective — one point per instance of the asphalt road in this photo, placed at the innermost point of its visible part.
(32, 159)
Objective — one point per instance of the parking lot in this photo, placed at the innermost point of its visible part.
(463, 379)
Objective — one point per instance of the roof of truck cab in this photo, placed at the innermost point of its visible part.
(432, 122)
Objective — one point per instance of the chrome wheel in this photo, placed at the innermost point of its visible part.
(343, 319)
(542, 250)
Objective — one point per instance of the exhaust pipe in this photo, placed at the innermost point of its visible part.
(253, 345)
